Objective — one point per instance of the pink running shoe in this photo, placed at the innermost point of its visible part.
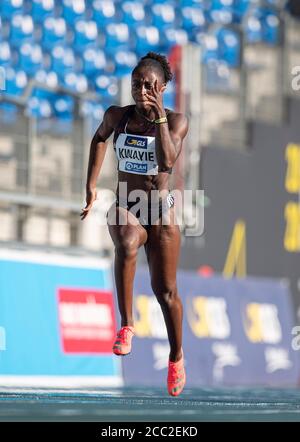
(176, 377)
(122, 345)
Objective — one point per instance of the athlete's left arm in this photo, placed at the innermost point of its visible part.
(169, 135)
(169, 139)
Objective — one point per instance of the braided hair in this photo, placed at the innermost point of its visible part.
(156, 61)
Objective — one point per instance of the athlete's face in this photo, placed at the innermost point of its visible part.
(142, 83)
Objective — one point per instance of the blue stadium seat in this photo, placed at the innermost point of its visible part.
(62, 60)
(240, 8)
(49, 78)
(30, 58)
(125, 61)
(54, 32)
(271, 28)
(41, 9)
(38, 107)
(10, 7)
(163, 15)
(73, 10)
(193, 18)
(104, 12)
(133, 13)
(5, 54)
(94, 110)
(46, 78)
(172, 37)
(253, 29)
(21, 29)
(106, 86)
(147, 39)
(198, 37)
(262, 25)
(210, 48)
(86, 34)
(94, 61)
(158, 2)
(229, 47)
(193, 3)
(116, 37)
(16, 81)
(75, 82)
(63, 107)
(221, 11)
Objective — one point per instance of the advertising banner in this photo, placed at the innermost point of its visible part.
(235, 332)
(57, 321)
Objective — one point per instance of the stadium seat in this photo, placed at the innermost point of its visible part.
(73, 10)
(5, 54)
(30, 58)
(62, 60)
(104, 12)
(229, 47)
(54, 32)
(163, 15)
(8, 8)
(210, 48)
(193, 17)
(75, 82)
(240, 8)
(262, 25)
(253, 29)
(47, 78)
(147, 39)
(221, 11)
(94, 61)
(38, 107)
(159, 2)
(63, 107)
(116, 37)
(125, 61)
(271, 28)
(41, 9)
(133, 13)
(16, 81)
(106, 86)
(171, 37)
(21, 29)
(86, 34)
(193, 3)
(94, 110)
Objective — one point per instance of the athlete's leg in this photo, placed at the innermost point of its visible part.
(162, 250)
(127, 239)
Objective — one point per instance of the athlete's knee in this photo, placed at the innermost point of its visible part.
(167, 295)
(127, 247)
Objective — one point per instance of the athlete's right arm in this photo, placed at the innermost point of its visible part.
(96, 157)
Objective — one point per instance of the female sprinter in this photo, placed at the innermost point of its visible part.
(147, 141)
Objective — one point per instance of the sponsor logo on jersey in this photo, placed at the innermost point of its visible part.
(135, 167)
(140, 142)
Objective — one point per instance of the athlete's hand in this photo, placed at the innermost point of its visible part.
(155, 100)
(91, 196)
